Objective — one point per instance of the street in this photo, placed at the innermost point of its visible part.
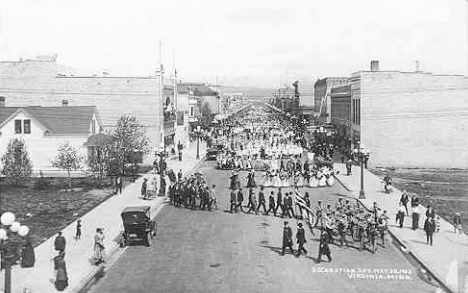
(201, 251)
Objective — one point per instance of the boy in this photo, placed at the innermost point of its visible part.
(78, 230)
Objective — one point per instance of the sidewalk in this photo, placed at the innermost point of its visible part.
(79, 253)
(447, 259)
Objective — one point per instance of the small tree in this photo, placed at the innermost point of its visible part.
(129, 137)
(69, 159)
(16, 163)
(205, 112)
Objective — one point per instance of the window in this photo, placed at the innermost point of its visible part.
(93, 126)
(18, 127)
(27, 126)
(191, 111)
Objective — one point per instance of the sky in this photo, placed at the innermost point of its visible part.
(260, 43)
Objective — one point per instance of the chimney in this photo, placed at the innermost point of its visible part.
(64, 103)
(374, 65)
(2, 101)
(417, 66)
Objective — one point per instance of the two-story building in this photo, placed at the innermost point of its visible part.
(43, 82)
(44, 129)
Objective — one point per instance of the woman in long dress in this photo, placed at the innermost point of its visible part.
(300, 180)
(28, 257)
(277, 180)
(322, 179)
(61, 275)
(313, 182)
(267, 181)
(98, 246)
(330, 179)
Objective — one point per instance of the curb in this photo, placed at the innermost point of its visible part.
(433, 274)
(86, 281)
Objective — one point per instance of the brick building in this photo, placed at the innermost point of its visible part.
(340, 112)
(43, 82)
(411, 119)
(322, 102)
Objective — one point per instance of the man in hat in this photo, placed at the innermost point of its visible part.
(60, 242)
(300, 237)
(287, 238)
(144, 186)
(318, 213)
(324, 249)
(271, 204)
(233, 206)
(261, 200)
(240, 200)
(279, 202)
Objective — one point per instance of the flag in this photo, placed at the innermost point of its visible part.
(301, 202)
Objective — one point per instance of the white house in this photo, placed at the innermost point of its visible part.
(44, 129)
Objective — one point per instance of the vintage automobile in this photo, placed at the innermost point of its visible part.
(138, 225)
(214, 150)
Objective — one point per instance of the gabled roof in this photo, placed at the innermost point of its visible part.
(57, 120)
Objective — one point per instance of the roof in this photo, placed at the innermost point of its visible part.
(58, 120)
(141, 209)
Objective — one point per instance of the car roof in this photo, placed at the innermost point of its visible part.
(141, 209)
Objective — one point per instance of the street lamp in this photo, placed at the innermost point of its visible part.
(9, 246)
(197, 135)
(362, 155)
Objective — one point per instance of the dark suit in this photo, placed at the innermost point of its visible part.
(300, 236)
(271, 205)
(261, 201)
(279, 202)
(287, 239)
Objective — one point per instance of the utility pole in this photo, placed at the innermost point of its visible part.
(161, 94)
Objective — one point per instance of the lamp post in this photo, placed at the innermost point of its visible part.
(9, 246)
(362, 155)
(197, 135)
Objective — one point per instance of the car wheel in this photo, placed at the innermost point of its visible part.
(149, 239)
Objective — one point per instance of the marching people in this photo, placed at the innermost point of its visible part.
(252, 202)
(342, 230)
(324, 249)
(271, 204)
(261, 200)
(240, 200)
(287, 239)
(233, 200)
(279, 202)
(301, 240)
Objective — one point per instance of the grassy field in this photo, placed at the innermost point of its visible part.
(444, 189)
(46, 212)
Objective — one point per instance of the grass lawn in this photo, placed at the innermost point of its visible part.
(444, 189)
(52, 209)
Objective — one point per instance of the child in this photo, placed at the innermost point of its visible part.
(457, 223)
(78, 230)
(437, 224)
